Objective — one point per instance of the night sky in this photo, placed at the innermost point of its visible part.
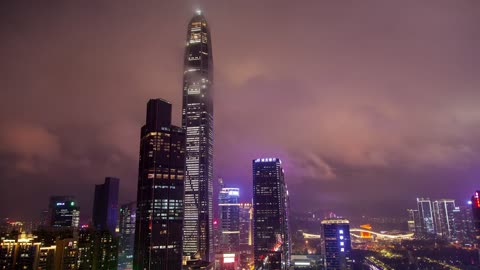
(368, 103)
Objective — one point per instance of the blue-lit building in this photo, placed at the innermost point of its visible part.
(336, 244)
(105, 205)
(271, 238)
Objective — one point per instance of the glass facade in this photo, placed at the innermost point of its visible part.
(64, 212)
(270, 215)
(336, 244)
(159, 216)
(127, 235)
(229, 208)
(105, 205)
(197, 120)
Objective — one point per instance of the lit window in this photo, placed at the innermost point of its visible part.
(342, 250)
(340, 231)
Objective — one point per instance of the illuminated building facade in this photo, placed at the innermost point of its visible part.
(97, 249)
(476, 216)
(413, 221)
(159, 214)
(127, 235)
(444, 219)
(425, 212)
(245, 226)
(462, 216)
(105, 205)
(197, 120)
(66, 254)
(270, 215)
(229, 208)
(336, 244)
(19, 254)
(64, 212)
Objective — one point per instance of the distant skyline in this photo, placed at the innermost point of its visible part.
(368, 104)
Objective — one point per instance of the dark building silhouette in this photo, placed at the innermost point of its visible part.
(105, 205)
(336, 244)
(159, 216)
(64, 212)
(127, 235)
(271, 239)
(197, 120)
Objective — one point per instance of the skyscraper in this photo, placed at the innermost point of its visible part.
(246, 216)
(159, 217)
(105, 205)
(64, 212)
(425, 213)
(127, 235)
(336, 244)
(444, 220)
(462, 216)
(270, 215)
(197, 120)
(229, 219)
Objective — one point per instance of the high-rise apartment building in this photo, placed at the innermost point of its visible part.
(159, 214)
(229, 208)
(127, 235)
(271, 237)
(197, 120)
(105, 205)
(463, 218)
(245, 226)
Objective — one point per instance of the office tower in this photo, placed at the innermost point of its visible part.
(336, 245)
(159, 216)
(425, 213)
(97, 250)
(197, 120)
(105, 205)
(270, 215)
(462, 216)
(246, 216)
(444, 221)
(127, 235)
(476, 216)
(229, 209)
(64, 212)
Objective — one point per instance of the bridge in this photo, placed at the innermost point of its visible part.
(356, 232)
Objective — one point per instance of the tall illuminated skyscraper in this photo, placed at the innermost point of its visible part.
(127, 235)
(64, 212)
(271, 239)
(425, 213)
(229, 208)
(159, 216)
(444, 218)
(197, 120)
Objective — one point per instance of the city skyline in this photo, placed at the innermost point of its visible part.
(413, 128)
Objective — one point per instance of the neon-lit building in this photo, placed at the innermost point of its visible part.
(159, 214)
(336, 244)
(197, 120)
(271, 239)
(476, 216)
